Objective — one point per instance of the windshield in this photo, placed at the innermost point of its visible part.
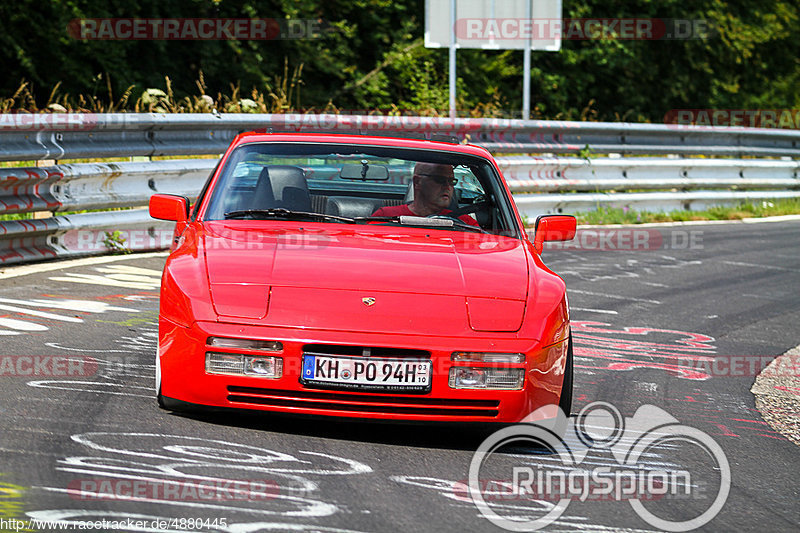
(341, 184)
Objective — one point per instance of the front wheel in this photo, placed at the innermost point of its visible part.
(159, 396)
(565, 402)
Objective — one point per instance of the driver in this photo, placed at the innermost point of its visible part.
(433, 192)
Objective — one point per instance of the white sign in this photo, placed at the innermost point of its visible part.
(494, 24)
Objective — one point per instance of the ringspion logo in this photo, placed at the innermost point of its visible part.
(520, 491)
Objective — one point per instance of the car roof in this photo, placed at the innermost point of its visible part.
(369, 140)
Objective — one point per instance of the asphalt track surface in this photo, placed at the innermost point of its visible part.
(646, 324)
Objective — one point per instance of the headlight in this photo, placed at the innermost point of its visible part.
(235, 364)
(465, 377)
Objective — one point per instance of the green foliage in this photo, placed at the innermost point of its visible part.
(115, 242)
(586, 153)
(370, 56)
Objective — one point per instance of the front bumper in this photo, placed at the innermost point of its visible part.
(182, 362)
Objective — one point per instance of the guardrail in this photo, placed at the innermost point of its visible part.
(570, 183)
(70, 136)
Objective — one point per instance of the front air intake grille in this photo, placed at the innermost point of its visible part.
(363, 403)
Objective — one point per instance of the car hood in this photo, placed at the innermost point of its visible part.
(323, 264)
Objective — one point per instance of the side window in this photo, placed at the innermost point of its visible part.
(203, 191)
(467, 181)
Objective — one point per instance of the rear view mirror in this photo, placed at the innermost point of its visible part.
(364, 172)
(553, 228)
(169, 207)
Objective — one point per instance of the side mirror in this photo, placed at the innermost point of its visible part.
(553, 228)
(169, 207)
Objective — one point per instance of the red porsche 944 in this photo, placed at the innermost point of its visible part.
(366, 277)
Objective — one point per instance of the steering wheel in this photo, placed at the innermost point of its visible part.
(480, 203)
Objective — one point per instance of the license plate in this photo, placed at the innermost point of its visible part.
(367, 373)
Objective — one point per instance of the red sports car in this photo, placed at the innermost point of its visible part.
(368, 277)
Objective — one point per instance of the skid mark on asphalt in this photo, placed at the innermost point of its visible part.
(727, 413)
(601, 346)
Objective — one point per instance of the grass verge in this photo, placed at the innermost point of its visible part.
(766, 208)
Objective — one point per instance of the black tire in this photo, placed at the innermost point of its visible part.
(565, 401)
(160, 399)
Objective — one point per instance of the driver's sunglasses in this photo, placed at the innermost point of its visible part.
(441, 180)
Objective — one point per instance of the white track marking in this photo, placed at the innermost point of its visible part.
(40, 314)
(103, 280)
(83, 350)
(760, 266)
(614, 296)
(84, 306)
(317, 509)
(602, 311)
(25, 270)
(189, 462)
(16, 306)
(127, 269)
(117, 276)
(459, 493)
(652, 284)
(89, 386)
(21, 325)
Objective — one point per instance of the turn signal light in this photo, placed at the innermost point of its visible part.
(487, 357)
(245, 344)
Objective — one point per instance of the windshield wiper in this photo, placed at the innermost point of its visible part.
(263, 214)
(428, 222)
